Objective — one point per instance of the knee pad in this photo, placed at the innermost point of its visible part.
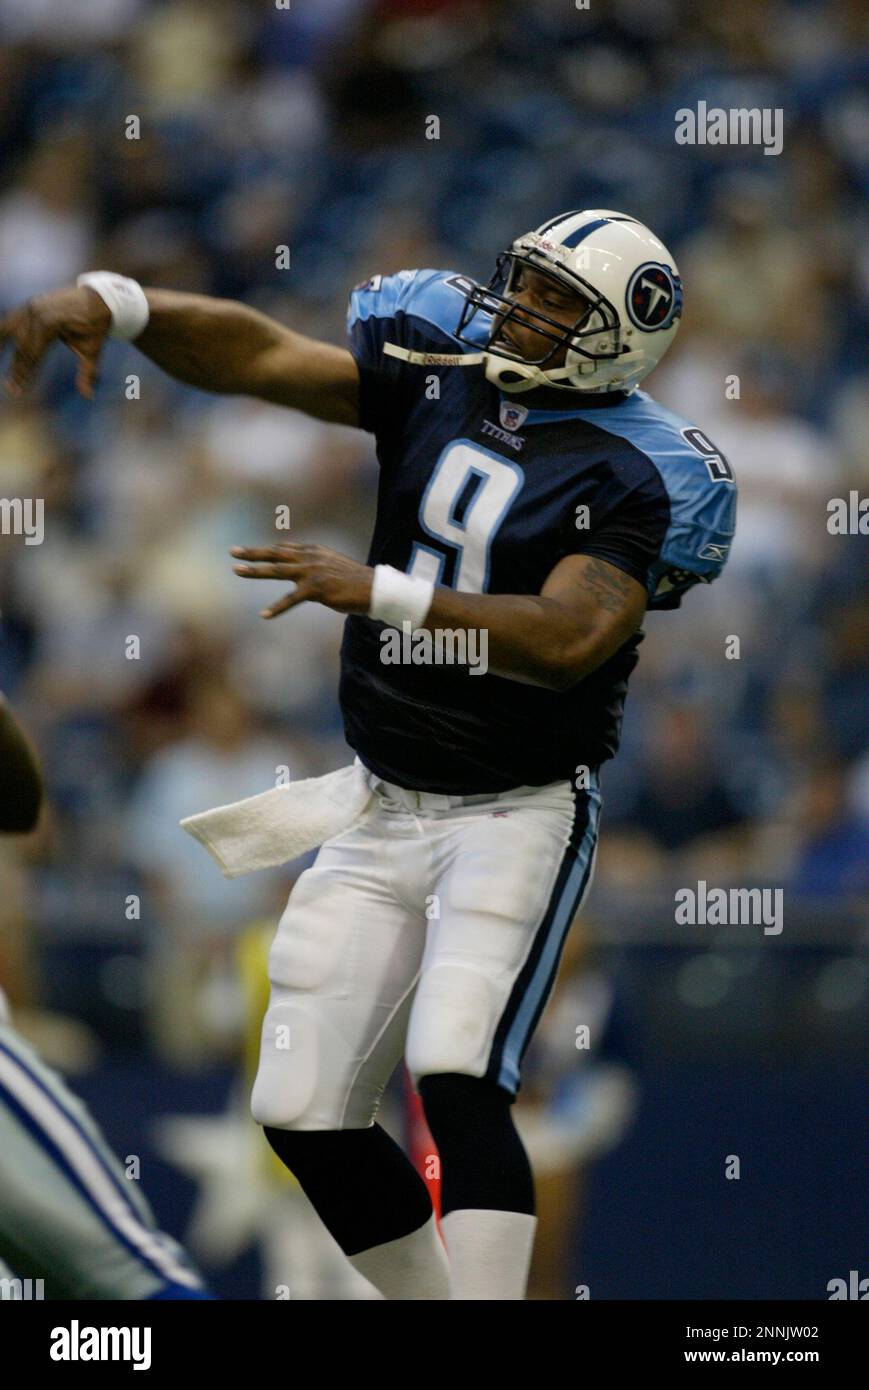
(451, 1022)
(287, 1073)
(305, 956)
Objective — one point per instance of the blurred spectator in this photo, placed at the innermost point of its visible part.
(193, 911)
(786, 473)
(832, 840)
(846, 678)
(678, 804)
(742, 268)
(46, 220)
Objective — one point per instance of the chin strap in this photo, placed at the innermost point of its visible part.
(528, 376)
(435, 359)
(525, 376)
(497, 367)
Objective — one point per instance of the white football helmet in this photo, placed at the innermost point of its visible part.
(635, 304)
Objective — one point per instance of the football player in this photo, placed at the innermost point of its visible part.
(534, 499)
(69, 1215)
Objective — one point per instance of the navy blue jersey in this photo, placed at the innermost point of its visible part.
(485, 492)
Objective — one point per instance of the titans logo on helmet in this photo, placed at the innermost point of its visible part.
(653, 297)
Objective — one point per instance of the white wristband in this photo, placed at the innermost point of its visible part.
(126, 299)
(398, 598)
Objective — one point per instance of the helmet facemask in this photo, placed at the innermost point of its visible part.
(598, 319)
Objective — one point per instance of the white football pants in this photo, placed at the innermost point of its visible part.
(434, 928)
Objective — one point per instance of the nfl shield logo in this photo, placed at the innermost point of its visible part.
(513, 416)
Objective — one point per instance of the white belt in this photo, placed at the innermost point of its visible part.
(390, 792)
(265, 831)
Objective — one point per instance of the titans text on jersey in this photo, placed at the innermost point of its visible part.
(485, 493)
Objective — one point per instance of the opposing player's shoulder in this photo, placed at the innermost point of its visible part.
(431, 297)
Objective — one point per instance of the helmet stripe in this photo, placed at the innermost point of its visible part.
(562, 217)
(582, 232)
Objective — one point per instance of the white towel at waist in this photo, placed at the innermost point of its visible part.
(276, 826)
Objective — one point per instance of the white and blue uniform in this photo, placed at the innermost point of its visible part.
(69, 1215)
(435, 926)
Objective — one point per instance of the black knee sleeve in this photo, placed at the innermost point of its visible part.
(360, 1182)
(483, 1160)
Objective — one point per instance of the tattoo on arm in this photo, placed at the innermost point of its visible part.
(607, 586)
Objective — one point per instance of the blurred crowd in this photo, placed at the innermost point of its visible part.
(135, 656)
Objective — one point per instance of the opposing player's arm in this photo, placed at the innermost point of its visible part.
(214, 344)
(585, 611)
(20, 780)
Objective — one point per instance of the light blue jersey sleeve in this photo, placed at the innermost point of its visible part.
(415, 309)
(701, 489)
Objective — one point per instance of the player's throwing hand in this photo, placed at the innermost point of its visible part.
(321, 575)
(75, 316)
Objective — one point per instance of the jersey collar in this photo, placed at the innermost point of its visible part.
(548, 398)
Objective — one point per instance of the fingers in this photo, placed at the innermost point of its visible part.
(66, 315)
(288, 601)
(88, 372)
(283, 561)
(87, 376)
(287, 569)
(20, 373)
(283, 551)
(31, 338)
(7, 328)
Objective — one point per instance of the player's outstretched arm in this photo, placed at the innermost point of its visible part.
(20, 780)
(214, 344)
(222, 345)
